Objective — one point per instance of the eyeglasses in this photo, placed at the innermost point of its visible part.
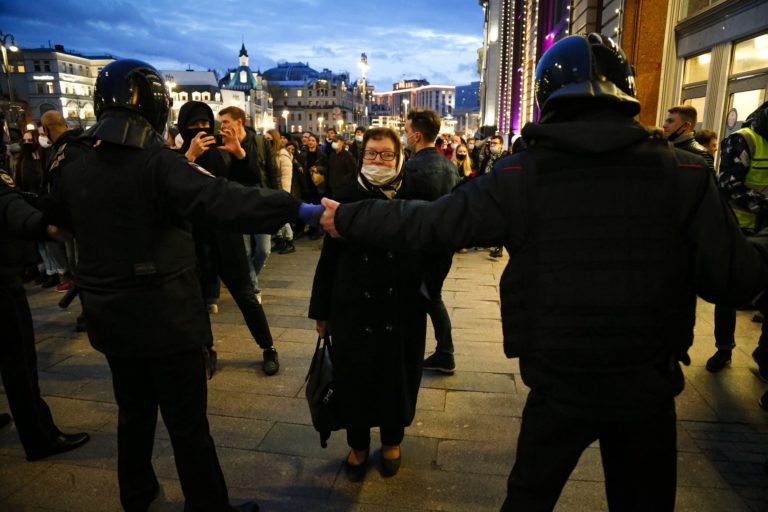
(386, 156)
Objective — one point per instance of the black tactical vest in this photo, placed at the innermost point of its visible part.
(601, 281)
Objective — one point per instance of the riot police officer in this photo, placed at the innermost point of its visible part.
(18, 360)
(128, 203)
(613, 232)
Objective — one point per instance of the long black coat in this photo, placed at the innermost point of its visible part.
(377, 317)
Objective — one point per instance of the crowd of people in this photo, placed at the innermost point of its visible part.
(175, 216)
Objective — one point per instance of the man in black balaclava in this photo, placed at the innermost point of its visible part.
(222, 253)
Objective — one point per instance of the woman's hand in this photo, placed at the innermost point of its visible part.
(322, 327)
(199, 145)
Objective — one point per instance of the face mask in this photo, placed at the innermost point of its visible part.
(378, 175)
(495, 150)
(44, 141)
(335, 146)
(359, 138)
(179, 140)
(674, 135)
(460, 157)
(471, 146)
(28, 147)
(453, 145)
(330, 141)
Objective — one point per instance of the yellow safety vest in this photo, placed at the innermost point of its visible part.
(757, 176)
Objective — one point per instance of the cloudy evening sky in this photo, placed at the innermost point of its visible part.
(436, 40)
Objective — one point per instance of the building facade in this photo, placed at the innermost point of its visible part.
(56, 79)
(248, 89)
(518, 32)
(716, 59)
(308, 100)
(416, 93)
(467, 110)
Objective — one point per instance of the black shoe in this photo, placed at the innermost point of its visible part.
(211, 358)
(356, 472)
(440, 362)
(63, 443)
(5, 419)
(248, 506)
(279, 244)
(51, 281)
(390, 467)
(497, 252)
(720, 360)
(271, 365)
(763, 401)
(80, 325)
(288, 248)
(760, 355)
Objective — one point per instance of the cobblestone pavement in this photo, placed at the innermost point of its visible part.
(456, 455)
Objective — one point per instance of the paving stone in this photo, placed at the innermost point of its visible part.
(488, 458)
(471, 381)
(496, 404)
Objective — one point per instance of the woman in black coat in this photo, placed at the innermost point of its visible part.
(369, 300)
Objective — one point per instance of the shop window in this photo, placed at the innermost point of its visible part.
(750, 55)
(690, 7)
(698, 104)
(298, 93)
(206, 96)
(740, 105)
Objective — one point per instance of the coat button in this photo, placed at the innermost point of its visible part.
(391, 291)
(367, 295)
(388, 328)
(365, 257)
(368, 330)
(390, 255)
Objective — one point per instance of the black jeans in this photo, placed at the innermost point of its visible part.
(438, 265)
(18, 367)
(227, 258)
(177, 385)
(639, 458)
(360, 438)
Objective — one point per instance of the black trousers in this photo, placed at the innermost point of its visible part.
(725, 326)
(438, 267)
(177, 385)
(360, 438)
(639, 458)
(225, 255)
(18, 367)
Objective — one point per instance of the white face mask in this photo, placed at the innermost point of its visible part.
(471, 146)
(495, 150)
(378, 175)
(453, 145)
(44, 141)
(335, 146)
(359, 138)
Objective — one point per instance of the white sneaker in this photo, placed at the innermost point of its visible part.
(213, 309)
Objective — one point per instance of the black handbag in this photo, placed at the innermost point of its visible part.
(320, 390)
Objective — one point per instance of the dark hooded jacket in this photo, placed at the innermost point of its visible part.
(611, 235)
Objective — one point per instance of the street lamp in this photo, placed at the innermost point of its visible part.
(285, 117)
(4, 47)
(340, 122)
(363, 65)
(405, 104)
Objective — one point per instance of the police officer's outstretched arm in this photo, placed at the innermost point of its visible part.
(196, 194)
(483, 210)
(728, 268)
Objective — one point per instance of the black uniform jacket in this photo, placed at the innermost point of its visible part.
(611, 235)
(129, 210)
(370, 297)
(22, 222)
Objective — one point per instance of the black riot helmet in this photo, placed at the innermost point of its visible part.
(135, 86)
(585, 67)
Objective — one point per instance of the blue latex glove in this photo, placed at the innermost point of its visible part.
(310, 213)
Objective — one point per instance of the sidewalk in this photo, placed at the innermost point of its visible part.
(456, 455)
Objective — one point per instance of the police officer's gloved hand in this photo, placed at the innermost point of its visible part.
(310, 213)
